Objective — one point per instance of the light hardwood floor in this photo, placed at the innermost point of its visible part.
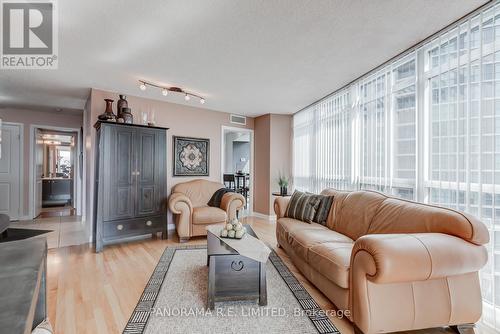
(96, 293)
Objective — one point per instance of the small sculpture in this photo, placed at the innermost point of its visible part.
(234, 230)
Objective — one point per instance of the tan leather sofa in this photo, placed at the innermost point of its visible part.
(394, 265)
(188, 203)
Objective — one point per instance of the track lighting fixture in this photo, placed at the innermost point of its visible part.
(166, 90)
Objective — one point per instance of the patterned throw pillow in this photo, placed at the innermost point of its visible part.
(323, 209)
(302, 206)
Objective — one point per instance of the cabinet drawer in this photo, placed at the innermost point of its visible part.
(136, 226)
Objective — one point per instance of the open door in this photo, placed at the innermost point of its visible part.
(39, 147)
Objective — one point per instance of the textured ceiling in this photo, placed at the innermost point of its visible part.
(247, 57)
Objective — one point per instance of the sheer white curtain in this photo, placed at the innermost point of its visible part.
(324, 128)
(424, 127)
(362, 137)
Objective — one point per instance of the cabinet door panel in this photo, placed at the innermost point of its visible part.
(149, 180)
(119, 176)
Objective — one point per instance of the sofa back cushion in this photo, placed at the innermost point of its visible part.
(401, 216)
(199, 191)
(356, 212)
(367, 212)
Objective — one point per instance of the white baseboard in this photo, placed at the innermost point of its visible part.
(262, 216)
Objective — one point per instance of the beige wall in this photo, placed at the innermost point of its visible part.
(273, 155)
(182, 120)
(35, 117)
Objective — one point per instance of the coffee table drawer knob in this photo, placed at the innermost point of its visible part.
(119, 227)
(237, 266)
(149, 223)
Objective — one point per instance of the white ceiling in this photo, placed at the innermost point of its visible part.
(247, 57)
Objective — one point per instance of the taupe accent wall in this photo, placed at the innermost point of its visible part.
(262, 166)
(273, 155)
(27, 118)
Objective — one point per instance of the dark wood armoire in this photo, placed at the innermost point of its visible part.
(130, 182)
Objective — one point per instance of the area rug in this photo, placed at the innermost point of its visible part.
(174, 301)
(22, 233)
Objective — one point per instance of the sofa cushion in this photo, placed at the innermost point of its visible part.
(288, 225)
(303, 239)
(198, 191)
(303, 206)
(357, 211)
(332, 260)
(208, 215)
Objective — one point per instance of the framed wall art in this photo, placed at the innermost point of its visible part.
(191, 156)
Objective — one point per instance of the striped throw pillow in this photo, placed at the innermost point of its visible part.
(323, 209)
(302, 206)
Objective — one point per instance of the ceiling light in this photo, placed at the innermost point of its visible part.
(165, 90)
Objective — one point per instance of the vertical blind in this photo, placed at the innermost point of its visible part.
(424, 127)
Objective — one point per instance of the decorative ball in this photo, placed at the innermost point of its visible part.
(223, 233)
(231, 233)
(234, 221)
(239, 234)
(238, 227)
(229, 227)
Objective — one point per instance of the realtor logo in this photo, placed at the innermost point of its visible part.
(29, 34)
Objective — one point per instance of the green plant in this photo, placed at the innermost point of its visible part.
(282, 180)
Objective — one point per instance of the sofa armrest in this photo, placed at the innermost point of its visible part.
(179, 203)
(280, 205)
(231, 203)
(391, 258)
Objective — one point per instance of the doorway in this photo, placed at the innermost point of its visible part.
(55, 172)
(11, 165)
(237, 163)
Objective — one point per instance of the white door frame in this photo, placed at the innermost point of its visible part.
(225, 129)
(21, 167)
(77, 183)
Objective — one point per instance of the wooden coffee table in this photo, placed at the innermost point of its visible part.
(232, 276)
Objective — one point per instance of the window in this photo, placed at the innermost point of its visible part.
(424, 127)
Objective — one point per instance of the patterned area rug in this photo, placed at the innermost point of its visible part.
(174, 301)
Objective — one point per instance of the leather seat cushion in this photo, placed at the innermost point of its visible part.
(289, 225)
(303, 239)
(208, 215)
(332, 259)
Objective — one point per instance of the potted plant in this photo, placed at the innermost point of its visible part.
(283, 183)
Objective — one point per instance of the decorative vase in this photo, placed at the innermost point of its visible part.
(121, 104)
(127, 116)
(108, 113)
(283, 190)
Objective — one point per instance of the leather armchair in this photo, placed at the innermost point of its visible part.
(188, 203)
